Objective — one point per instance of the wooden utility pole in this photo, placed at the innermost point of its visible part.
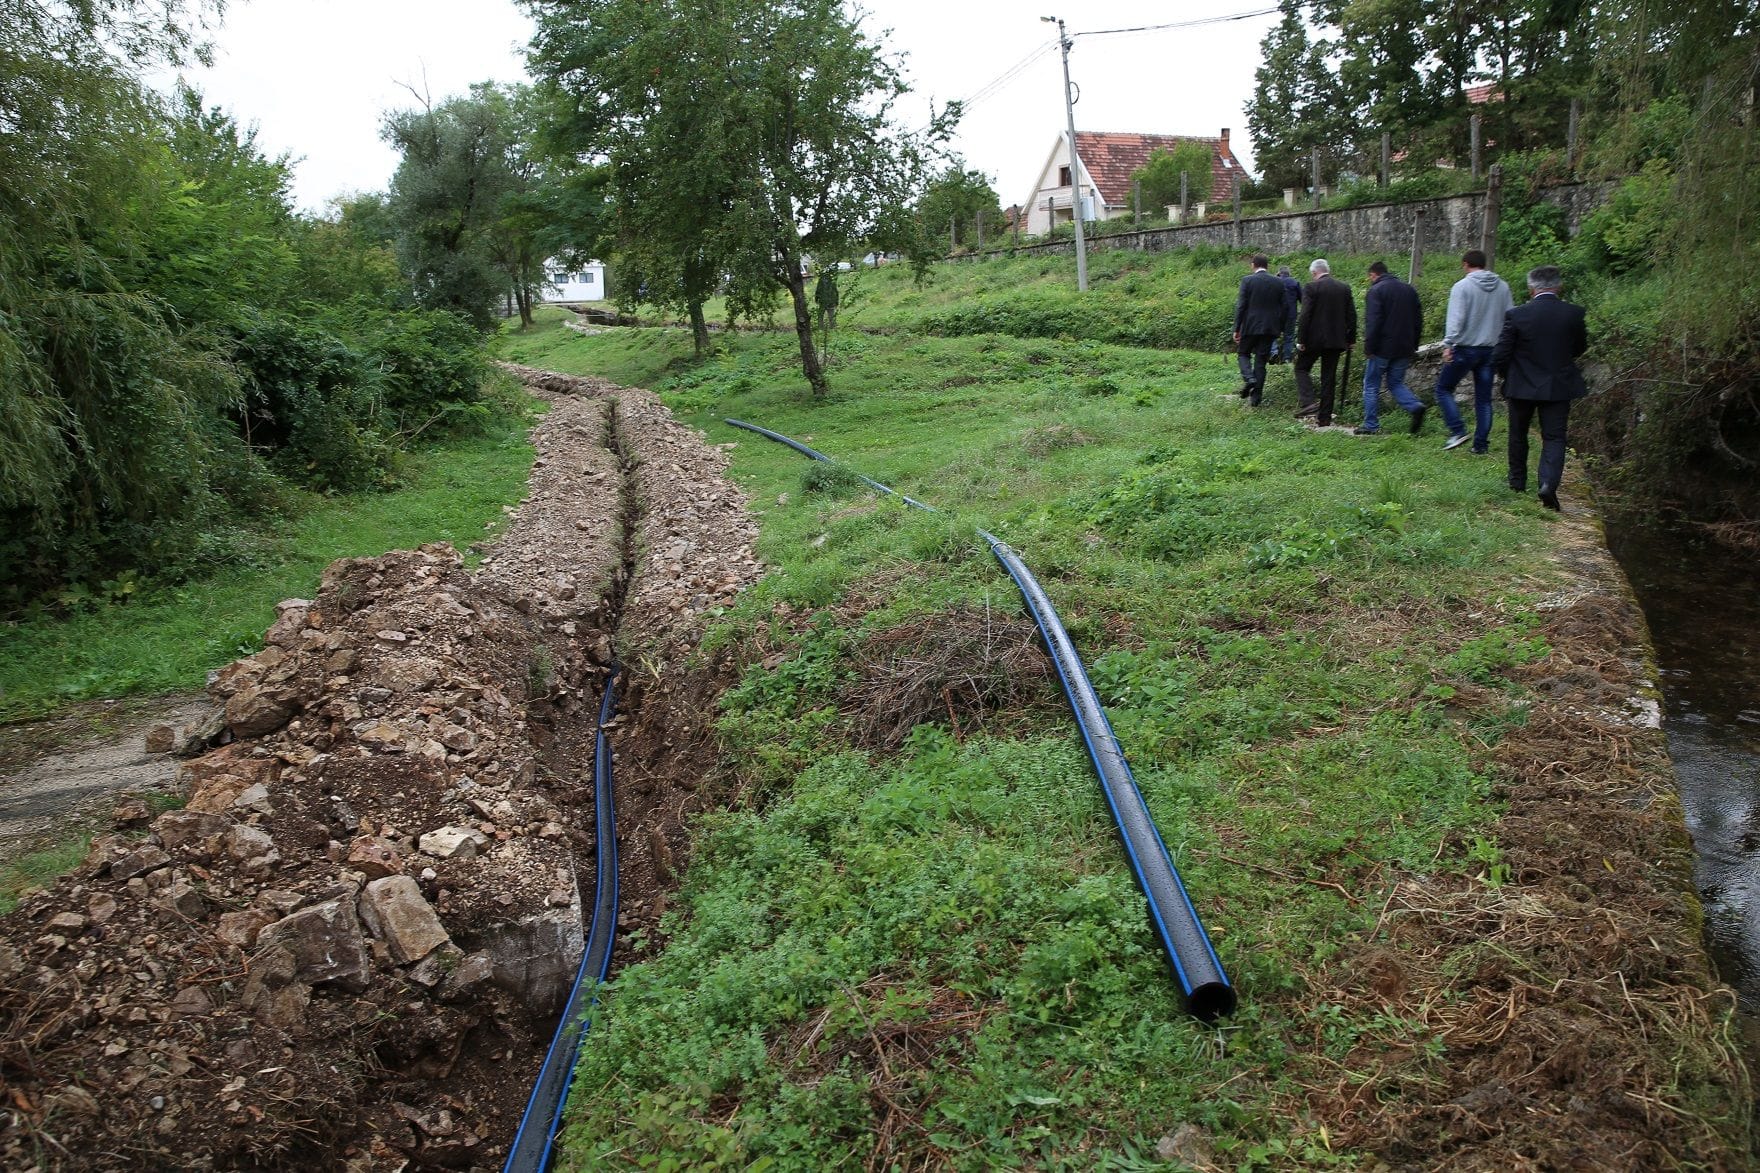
(1316, 161)
(952, 235)
(1417, 269)
(1075, 162)
(1493, 209)
(1237, 211)
(980, 232)
(1184, 202)
(1474, 128)
(1019, 214)
(1136, 202)
(1386, 156)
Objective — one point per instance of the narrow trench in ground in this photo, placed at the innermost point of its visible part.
(506, 1065)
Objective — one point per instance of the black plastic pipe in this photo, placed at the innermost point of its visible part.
(537, 1128)
(1206, 989)
(1208, 993)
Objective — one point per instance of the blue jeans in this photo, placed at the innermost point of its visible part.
(1394, 371)
(1476, 359)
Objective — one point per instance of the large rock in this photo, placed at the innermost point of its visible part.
(274, 992)
(253, 711)
(326, 944)
(179, 829)
(452, 842)
(397, 913)
(290, 620)
(216, 795)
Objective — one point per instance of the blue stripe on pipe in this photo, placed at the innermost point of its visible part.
(543, 1116)
(1207, 991)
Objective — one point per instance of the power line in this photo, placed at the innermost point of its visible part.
(1007, 75)
(1181, 24)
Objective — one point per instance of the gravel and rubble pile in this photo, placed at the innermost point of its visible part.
(377, 872)
(346, 948)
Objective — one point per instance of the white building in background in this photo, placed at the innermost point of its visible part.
(1105, 162)
(585, 283)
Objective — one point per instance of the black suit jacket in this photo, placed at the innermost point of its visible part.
(1538, 350)
(1395, 319)
(1259, 308)
(1329, 315)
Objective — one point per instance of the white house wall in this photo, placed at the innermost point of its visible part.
(1048, 190)
(586, 283)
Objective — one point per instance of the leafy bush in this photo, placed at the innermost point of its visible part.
(431, 364)
(314, 402)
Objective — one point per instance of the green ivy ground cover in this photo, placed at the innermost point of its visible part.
(938, 954)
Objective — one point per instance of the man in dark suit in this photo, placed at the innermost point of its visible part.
(1394, 321)
(1283, 349)
(1325, 329)
(1258, 318)
(1537, 357)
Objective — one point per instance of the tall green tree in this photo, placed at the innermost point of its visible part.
(951, 207)
(1160, 176)
(465, 172)
(774, 119)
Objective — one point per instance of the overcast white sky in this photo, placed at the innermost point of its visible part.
(317, 76)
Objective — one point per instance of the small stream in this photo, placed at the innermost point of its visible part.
(1703, 606)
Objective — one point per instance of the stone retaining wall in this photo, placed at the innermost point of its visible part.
(1451, 225)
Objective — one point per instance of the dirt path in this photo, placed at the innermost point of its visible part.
(347, 948)
(63, 774)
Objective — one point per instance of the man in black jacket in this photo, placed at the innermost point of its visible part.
(1326, 328)
(1537, 356)
(1394, 320)
(1258, 318)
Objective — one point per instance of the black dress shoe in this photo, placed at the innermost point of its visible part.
(1310, 409)
(1418, 420)
(1549, 498)
(1246, 390)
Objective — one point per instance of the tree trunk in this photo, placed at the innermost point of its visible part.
(523, 297)
(699, 329)
(803, 328)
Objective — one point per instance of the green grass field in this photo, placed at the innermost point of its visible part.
(1280, 622)
(169, 638)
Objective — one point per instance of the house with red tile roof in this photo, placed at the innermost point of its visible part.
(1105, 162)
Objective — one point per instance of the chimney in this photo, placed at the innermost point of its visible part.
(1225, 138)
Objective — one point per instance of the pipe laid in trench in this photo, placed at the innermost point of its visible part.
(543, 1115)
(1206, 989)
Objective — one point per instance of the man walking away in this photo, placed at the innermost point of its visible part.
(1292, 303)
(1326, 328)
(1393, 322)
(1536, 354)
(1258, 318)
(1476, 308)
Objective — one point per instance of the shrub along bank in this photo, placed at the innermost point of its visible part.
(1325, 657)
(131, 635)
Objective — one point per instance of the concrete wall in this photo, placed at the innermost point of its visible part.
(1451, 226)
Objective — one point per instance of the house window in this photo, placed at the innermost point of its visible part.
(1063, 177)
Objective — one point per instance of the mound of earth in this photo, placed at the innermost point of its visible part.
(347, 947)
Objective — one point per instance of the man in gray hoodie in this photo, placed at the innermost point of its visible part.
(1476, 308)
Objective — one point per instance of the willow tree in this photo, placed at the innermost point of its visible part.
(744, 137)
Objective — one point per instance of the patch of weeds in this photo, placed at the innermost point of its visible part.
(821, 476)
(1486, 659)
(39, 869)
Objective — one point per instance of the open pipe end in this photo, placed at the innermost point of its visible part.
(1211, 1001)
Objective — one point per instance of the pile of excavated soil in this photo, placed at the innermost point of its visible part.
(347, 948)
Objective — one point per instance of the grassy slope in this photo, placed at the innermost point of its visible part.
(168, 640)
(1276, 619)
